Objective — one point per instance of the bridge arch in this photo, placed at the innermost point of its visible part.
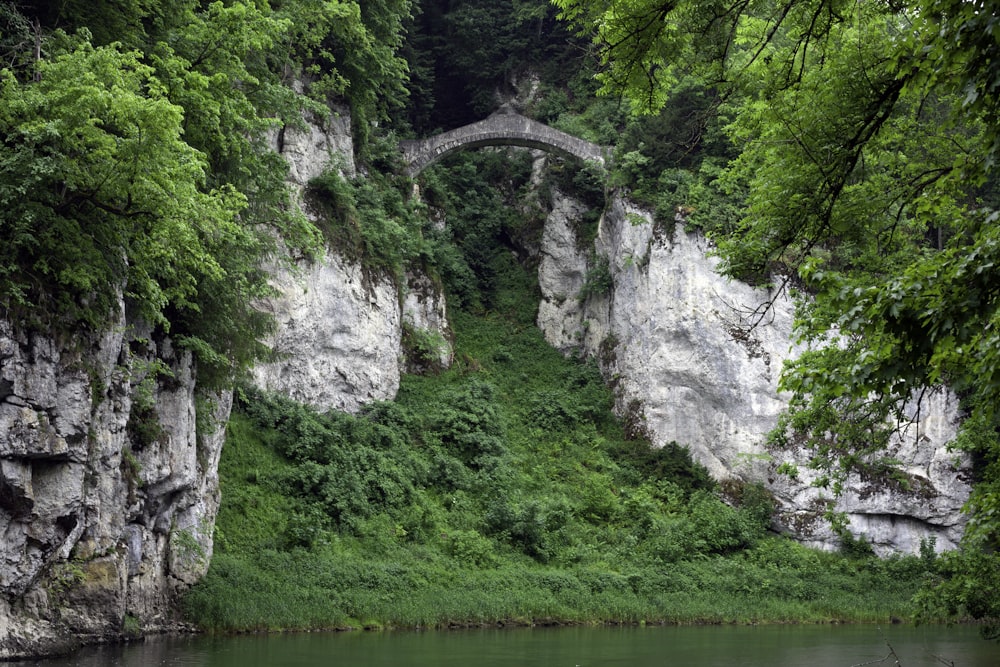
(503, 128)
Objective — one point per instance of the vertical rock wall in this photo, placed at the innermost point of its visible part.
(338, 336)
(108, 485)
(338, 341)
(672, 335)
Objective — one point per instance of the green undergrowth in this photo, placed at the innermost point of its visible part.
(501, 491)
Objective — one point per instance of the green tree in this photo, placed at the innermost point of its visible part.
(144, 173)
(866, 134)
(347, 49)
(464, 53)
(100, 191)
(137, 161)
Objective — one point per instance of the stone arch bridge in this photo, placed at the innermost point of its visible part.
(503, 128)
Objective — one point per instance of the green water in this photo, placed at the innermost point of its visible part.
(710, 646)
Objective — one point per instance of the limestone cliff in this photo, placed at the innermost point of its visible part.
(338, 343)
(672, 336)
(108, 484)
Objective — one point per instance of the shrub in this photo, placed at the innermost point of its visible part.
(423, 349)
(368, 221)
(470, 549)
(718, 528)
(553, 410)
(468, 423)
(598, 280)
(351, 466)
(670, 462)
(528, 525)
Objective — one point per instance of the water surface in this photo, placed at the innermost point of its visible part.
(701, 646)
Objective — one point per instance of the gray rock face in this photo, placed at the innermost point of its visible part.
(108, 460)
(338, 340)
(672, 336)
(338, 337)
(425, 310)
(320, 144)
(108, 488)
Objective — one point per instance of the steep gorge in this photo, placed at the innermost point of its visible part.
(108, 487)
(694, 358)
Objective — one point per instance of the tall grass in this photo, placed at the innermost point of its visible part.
(313, 589)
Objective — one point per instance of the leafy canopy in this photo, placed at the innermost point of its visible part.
(100, 189)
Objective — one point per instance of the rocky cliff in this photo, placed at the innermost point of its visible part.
(675, 339)
(339, 340)
(108, 485)
(109, 453)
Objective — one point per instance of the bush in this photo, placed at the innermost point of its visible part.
(553, 410)
(598, 281)
(423, 349)
(718, 528)
(530, 525)
(670, 462)
(352, 467)
(468, 423)
(470, 549)
(369, 221)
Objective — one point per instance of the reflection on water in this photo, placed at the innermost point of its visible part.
(705, 646)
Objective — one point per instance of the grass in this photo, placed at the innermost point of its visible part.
(309, 590)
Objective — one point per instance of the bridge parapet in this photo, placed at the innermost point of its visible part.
(503, 128)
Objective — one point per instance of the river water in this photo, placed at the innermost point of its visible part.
(705, 646)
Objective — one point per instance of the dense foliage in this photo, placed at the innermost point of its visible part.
(466, 55)
(136, 160)
(368, 220)
(864, 138)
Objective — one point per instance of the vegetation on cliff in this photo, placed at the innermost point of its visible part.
(862, 142)
(136, 158)
(502, 490)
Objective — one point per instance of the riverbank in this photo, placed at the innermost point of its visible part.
(304, 591)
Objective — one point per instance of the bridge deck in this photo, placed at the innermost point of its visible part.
(503, 128)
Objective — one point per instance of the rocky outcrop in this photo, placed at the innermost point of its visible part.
(108, 485)
(339, 338)
(315, 145)
(108, 453)
(425, 321)
(675, 339)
